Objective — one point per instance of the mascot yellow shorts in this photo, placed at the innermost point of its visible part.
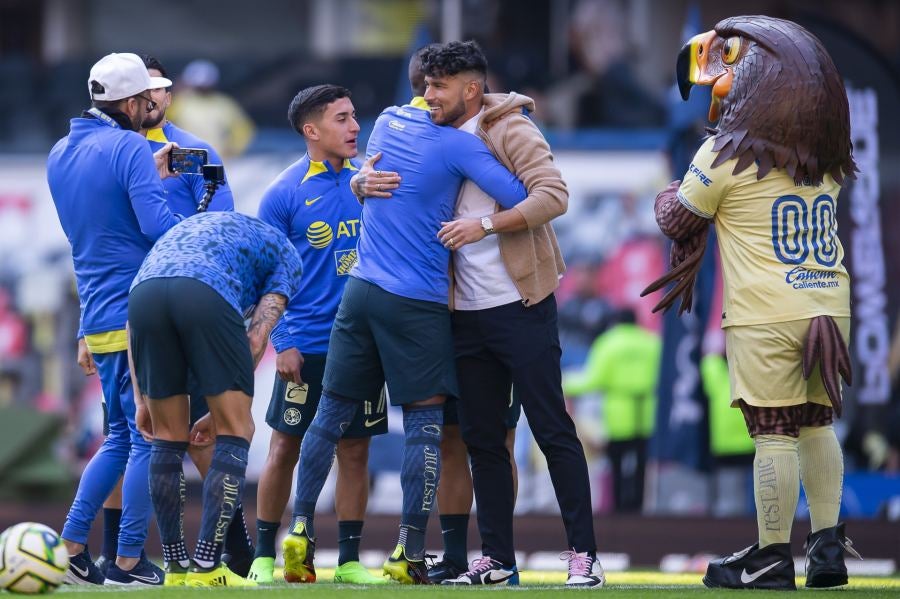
(765, 364)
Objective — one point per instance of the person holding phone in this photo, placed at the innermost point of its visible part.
(106, 186)
(183, 194)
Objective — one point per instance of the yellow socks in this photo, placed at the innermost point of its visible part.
(776, 487)
(822, 473)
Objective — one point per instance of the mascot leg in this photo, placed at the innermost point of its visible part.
(822, 472)
(768, 564)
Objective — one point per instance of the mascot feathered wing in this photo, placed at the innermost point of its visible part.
(780, 104)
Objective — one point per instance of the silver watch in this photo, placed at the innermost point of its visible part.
(487, 225)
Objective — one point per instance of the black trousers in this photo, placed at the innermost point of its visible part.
(495, 349)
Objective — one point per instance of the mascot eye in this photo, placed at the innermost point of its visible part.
(731, 49)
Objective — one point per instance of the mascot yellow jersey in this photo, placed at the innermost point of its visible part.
(781, 256)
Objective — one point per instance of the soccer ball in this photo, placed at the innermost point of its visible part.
(33, 559)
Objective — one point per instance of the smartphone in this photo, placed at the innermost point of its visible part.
(187, 161)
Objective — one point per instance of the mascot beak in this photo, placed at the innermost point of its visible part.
(691, 66)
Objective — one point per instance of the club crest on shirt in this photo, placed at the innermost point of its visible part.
(344, 261)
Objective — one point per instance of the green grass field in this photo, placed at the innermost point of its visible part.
(536, 584)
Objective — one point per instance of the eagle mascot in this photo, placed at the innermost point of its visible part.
(768, 177)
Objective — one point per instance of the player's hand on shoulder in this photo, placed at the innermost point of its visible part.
(289, 363)
(372, 183)
(86, 358)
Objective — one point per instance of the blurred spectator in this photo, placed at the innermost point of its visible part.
(732, 449)
(209, 113)
(583, 315)
(623, 365)
(604, 91)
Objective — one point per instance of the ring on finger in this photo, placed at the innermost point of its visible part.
(378, 187)
(450, 243)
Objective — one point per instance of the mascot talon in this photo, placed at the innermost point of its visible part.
(824, 347)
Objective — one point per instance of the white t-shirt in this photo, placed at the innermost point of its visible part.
(481, 278)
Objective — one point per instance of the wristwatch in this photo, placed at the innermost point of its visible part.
(487, 225)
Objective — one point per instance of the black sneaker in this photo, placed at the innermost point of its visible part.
(771, 567)
(486, 570)
(103, 563)
(239, 563)
(144, 574)
(825, 557)
(82, 570)
(444, 570)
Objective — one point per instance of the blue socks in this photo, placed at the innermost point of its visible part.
(222, 490)
(167, 492)
(454, 530)
(419, 474)
(238, 541)
(317, 455)
(265, 538)
(111, 519)
(349, 536)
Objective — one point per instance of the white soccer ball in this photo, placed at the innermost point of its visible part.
(33, 559)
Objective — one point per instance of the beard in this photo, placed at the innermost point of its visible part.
(150, 121)
(451, 114)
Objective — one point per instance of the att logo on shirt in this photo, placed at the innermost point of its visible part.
(320, 234)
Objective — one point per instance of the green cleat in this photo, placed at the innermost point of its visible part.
(356, 573)
(262, 570)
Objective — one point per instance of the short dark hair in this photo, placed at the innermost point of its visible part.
(452, 58)
(416, 74)
(311, 103)
(151, 62)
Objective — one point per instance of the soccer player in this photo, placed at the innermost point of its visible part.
(185, 312)
(106, 187)
(393, 324)
(506, 265)
(312, 204)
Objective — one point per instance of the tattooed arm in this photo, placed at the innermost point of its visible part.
(268, 310)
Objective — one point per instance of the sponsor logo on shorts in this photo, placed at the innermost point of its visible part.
(295, 393)
(292, 416)
(344, 261)
(370, 423)
(800, 277)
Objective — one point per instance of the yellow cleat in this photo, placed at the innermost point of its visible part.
(175, 575)
(299, 551)
(405, 571)
(220, 576)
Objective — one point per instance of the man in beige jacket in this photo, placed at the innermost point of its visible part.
(506, 266)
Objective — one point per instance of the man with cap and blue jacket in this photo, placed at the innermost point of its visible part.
(107, 189)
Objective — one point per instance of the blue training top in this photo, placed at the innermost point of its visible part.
(240, 257)
(398, 248)
(184, 192)
(112, 206)
(312, 205)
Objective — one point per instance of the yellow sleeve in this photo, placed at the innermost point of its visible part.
(703, 187)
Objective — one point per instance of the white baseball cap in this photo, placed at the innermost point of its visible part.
(121, 75)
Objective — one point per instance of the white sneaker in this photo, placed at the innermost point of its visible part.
(584, 570)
